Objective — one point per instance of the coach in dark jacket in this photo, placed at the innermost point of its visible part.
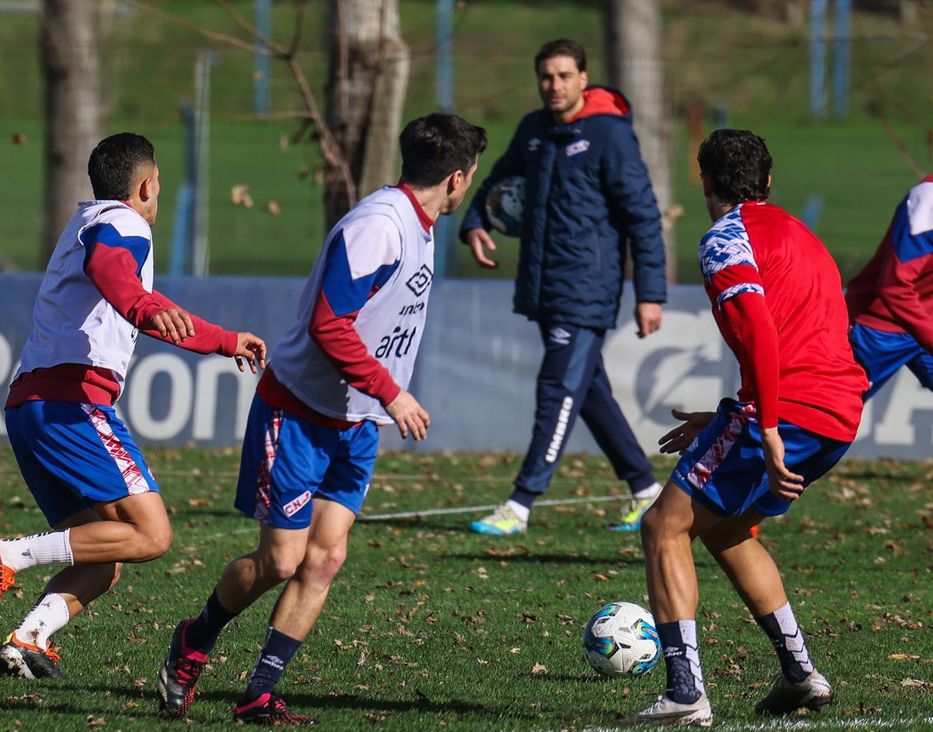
(587, 194)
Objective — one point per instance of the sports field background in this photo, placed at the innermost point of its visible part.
(430, 627)
(752, 66)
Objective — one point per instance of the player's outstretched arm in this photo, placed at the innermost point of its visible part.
(410, 416)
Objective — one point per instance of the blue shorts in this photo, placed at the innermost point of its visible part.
(287, 461)
(724, 467)
(75, 455)
(881, 354)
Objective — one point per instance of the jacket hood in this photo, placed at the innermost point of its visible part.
(603, 100)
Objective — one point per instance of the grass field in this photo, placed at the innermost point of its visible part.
(429, 627)
(751, 65)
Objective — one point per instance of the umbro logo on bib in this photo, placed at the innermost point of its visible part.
(420, 281)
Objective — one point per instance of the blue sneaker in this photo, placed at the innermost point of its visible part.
(501, 522)
(631, 521)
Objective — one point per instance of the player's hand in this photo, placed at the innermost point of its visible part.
(679, 438)
(781, 481)
(172, 323)
(647, 318)
(253, 349)
(478, 240)
(409, 416)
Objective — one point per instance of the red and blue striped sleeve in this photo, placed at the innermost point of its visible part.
(906, 277)
(113, 263)
(735, 288)
(360, 259)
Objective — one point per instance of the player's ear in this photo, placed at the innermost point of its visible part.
(453, 182)
(145, 189)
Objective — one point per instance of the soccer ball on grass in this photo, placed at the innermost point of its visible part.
(621, 639)
(505, 204)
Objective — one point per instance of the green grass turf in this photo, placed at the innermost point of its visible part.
(428, 626)
(753, 65)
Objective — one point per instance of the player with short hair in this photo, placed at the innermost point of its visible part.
(588, 197)
(776, 296)
(312, 436)
(79, 460)
(891, 300)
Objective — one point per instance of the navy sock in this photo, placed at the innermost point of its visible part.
(789, 643)
(684, 676)
(273, 658)
(202, 634)
(524, 498)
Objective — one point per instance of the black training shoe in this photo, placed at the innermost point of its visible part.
(179, 674)
(268, 709)
(29, 661)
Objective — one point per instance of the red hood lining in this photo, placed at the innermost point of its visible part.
(598, 100)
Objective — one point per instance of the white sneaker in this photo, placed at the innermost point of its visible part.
(667, 711)
(501, 522)
(785, 696)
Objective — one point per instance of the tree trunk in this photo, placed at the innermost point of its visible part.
(367, 81)
(70, 68)
(633, 42)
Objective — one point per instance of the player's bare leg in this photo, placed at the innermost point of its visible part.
(274, 561)
(756, 577)
(668, 528)
(243, 581)
(295, 613)
(301, 601)
(132, 529)
(27, 650)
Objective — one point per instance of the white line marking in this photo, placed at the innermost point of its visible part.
(474, 509)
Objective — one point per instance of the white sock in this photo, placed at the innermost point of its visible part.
(652, 491)
(53, 547)
(688, 631)
(521, 511)
(48, 615)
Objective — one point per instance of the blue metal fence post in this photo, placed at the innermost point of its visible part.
(842, 50)
(261, 91)
(818, 58)
(445, 228)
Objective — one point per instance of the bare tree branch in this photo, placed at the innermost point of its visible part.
(327, 143)
(194, 27)
(277, 49)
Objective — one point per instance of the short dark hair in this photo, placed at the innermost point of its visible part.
(562, 47)
(737, 164)
(113, 164)
(436, 145)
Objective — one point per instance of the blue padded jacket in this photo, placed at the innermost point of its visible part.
(587, 192)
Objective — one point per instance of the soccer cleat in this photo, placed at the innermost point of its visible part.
(270, 710)
(179, 674)
(631, 521)
(501, 522)
(7, 578)
(786, 696)
(27, 660)
(667, 711)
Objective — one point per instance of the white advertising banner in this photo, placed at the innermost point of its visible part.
(475, 375)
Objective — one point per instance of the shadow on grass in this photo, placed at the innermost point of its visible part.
(147, 703)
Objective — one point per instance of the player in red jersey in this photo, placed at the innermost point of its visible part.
(891, 300)
(777, 298)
